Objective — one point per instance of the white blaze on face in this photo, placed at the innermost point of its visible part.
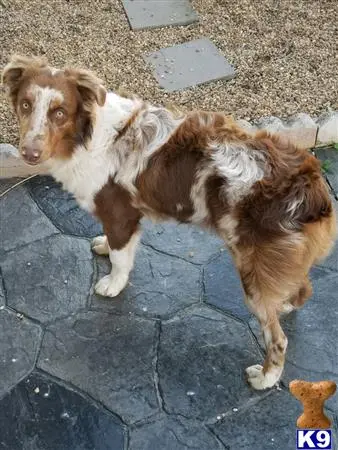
(43, 96)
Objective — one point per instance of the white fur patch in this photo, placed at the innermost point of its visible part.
(241, 166)
(227, 226)
(258, 380)
(43, 96)
(198, 196)
(122, 262)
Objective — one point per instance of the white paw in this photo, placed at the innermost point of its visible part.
(258, 380)
(287, 308)
(100, 245)
(111, 285)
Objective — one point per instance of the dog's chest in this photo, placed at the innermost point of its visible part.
(85, 175)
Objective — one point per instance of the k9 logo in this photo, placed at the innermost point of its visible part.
(314, 439)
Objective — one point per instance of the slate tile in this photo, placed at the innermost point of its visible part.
(312, 332)
(189, 64)
(153, 13)
(159, 285)
(21, 221)
(49, 278)
(329, 156)
(62, 209)
(7, 183)
(223, 287)
(269, 423)
(201, 364)
(186, 241)
(110, 357)
(18, 348)
(40, 414)
(173, 434)
(2, 293)
(331, 262)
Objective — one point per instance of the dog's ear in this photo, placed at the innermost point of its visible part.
(15, 70)
(89, 85)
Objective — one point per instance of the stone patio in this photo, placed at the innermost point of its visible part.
(159, 368)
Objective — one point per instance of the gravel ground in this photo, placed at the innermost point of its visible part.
(284, 51)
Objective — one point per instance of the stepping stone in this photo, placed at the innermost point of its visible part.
(187, 242)
(19, 345)
(41, 414)
(189, 64)
(21, 221)
(267, 424)
(61, 208)
(201, 364)
(223, 287)
(110, 357)
(49, 278)
(153, 13)
(329, 159)
(169, 433)
(159, 286)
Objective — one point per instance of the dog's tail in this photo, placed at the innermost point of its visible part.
(293, 192)
(308, 199)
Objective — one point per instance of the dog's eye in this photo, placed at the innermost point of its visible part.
(25, 106)
(59, 113)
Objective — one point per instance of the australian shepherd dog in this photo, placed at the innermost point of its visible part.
(123, 159)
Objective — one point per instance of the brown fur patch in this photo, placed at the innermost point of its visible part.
(121, 221)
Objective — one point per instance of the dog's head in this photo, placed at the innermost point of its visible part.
(55, 107)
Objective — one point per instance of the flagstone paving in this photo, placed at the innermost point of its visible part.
(189, 64)
(159, 367)
(153, 13)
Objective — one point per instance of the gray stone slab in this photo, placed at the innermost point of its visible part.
(223, 287)
(173, 434)
(185, 241)
(159, 285)
(21, 221)
(270, 423)
(110, 357)
(189, 64)
(331, 262)
(2, 293)
(19, 344)
(7, 183)
(62, 209)
(40, 414)
(202, 359)
(153, 13)
(329, 157)
(49, 278)
(312, 332)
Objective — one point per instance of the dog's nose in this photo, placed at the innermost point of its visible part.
(31, 154)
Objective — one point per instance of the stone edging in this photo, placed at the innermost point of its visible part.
(303, 130)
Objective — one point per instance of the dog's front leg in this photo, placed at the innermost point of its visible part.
(122, 262)
(120, 222)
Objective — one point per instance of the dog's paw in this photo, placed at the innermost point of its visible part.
(100, 245)
(287, 308)
(259, 380)
(111, 285)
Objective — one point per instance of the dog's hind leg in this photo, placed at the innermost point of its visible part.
(266, 376)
